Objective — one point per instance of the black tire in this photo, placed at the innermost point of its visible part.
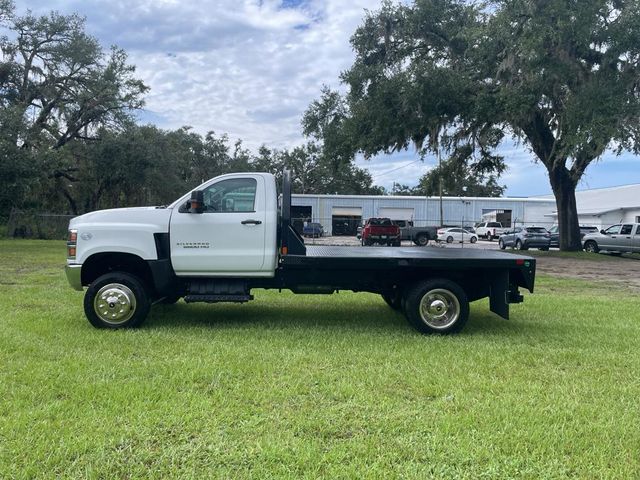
(393, 299)
(490, 237)
(519, 245)
(544, 249)
(449, 239)
(501, 244)
(421, 240)
(397, 243)
(122, 297)
(591, 246)
(473, 239)
(443, 294)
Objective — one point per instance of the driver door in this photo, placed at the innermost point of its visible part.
(228, 237)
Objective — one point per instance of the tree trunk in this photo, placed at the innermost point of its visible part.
(564, 189)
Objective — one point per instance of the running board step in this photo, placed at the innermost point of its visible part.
(218, 298)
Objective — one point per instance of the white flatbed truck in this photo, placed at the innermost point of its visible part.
(231, 235)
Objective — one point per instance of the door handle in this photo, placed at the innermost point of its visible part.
(251, 222)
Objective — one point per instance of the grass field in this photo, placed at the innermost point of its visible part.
(309, 386)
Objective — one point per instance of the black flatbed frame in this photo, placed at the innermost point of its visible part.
(325, 269)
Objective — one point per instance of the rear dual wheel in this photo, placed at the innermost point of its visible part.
(436, 306)
(421, 240)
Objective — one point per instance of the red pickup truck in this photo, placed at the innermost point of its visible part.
(382, 231)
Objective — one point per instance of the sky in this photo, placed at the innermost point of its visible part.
(250, 68)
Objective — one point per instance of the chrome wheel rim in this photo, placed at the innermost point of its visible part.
(439, 308)
(114, 303)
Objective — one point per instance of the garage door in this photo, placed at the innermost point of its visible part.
(345, 220)
(396, 213)
(346, 212)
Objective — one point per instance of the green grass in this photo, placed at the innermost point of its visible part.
(309, 386)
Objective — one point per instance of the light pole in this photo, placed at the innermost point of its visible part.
(464, 207)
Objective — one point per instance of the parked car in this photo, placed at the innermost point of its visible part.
(523, 238)
(619, 238)
(313, 229)
(459, 235)
(489, 230)
(382, 231)
(555, 233)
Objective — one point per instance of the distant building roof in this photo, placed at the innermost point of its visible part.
(597, 201)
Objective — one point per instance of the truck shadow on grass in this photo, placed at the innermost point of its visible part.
(225, 316)
(314, 316)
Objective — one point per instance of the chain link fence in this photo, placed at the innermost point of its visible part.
(27, 224)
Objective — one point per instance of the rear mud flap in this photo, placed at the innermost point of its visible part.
(498, 294)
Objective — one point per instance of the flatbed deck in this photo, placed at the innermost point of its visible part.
(319, 256)
(409, 252)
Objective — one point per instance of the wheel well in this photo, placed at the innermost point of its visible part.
(475, 284)
(101, 263)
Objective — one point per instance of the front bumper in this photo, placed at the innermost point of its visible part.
(74, 276)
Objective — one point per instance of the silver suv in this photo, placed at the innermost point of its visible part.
(619, 238)
(523, 238)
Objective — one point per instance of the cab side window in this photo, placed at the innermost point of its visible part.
(626, 230)
(613, 230)
(638, 230)
(232, 195)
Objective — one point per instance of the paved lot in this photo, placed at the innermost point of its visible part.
(353, 241)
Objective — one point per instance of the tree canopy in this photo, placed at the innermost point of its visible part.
(560, 76)
(69, 141)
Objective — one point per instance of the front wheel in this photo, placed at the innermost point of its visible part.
(519, 245)
(436, 306)
(591, 247)
(116, 300)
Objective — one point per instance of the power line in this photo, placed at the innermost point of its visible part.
(394, 169)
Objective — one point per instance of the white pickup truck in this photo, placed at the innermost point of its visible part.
(230, 235)
(489, 230)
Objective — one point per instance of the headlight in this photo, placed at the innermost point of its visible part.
(72, 241)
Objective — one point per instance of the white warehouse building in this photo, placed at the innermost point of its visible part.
(602, 207)
(341, 214)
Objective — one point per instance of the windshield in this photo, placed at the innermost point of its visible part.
(380, 221)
